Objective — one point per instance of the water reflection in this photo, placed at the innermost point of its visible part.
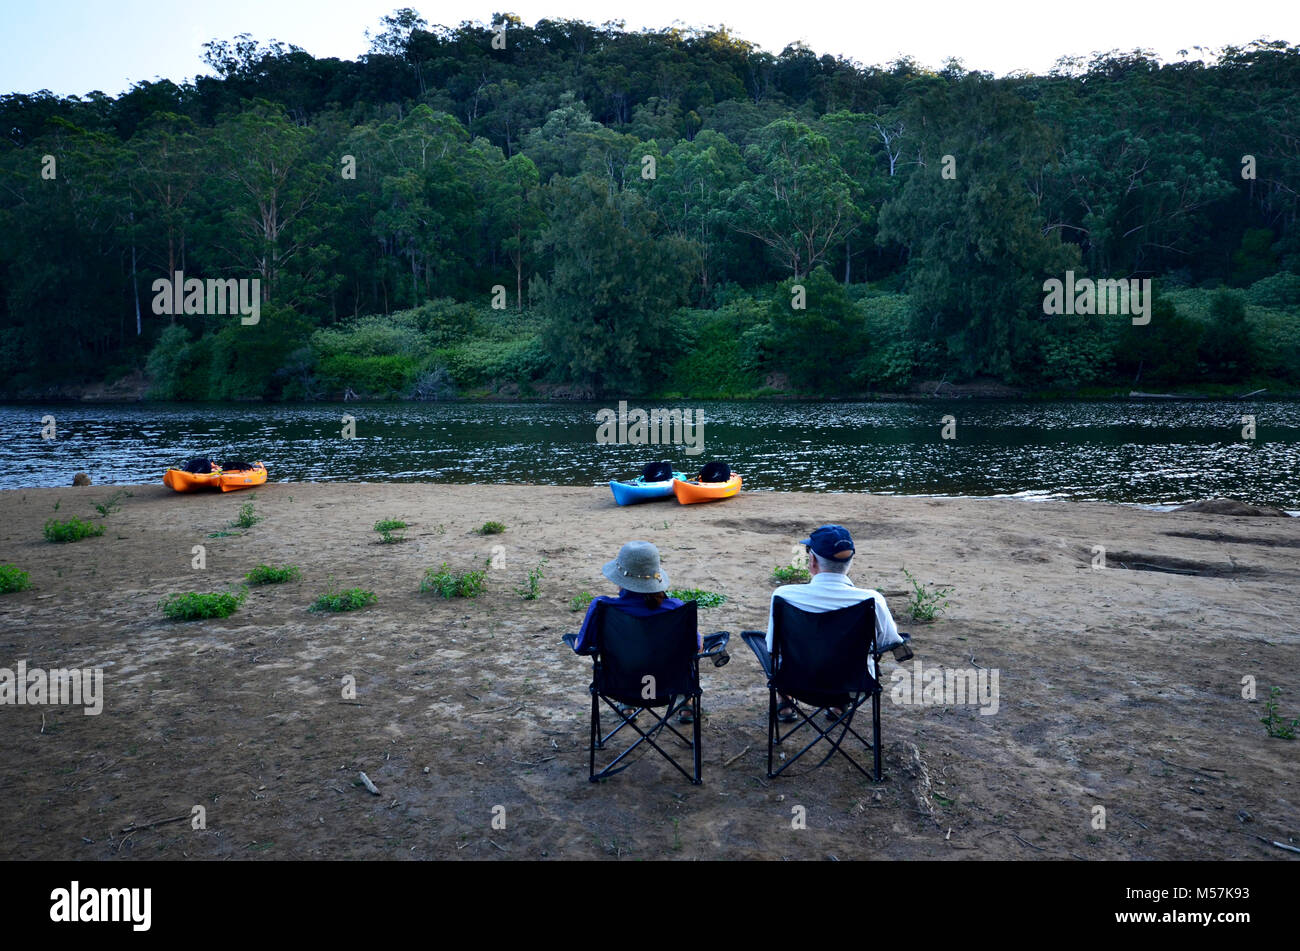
(1164, 453)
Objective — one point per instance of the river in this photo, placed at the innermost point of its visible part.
(1148, 453)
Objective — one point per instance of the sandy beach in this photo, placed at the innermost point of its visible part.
(1119, 688)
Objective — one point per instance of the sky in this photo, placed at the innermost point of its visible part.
(75, 46)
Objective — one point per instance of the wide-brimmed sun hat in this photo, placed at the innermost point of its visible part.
(637, 569)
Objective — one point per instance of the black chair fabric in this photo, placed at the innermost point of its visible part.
(662, 646)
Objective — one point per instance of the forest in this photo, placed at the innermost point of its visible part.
(565, 209)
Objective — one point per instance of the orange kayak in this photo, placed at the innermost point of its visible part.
(183, 481)
(232, 479)
(690, 491)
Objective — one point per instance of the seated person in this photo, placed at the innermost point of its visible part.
(830, 552)
(642, 584)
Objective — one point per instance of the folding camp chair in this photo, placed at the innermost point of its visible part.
(644, 664)
(820, 659)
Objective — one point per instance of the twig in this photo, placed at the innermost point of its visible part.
(1280, 845)
(736, 757)
(350, 703)
(973, 664)
(1194, 769)
(479, 699)
(1030, 844)
(42, 724)
(501, 847)
(1139, 822)
(369, 785)
(159, 822)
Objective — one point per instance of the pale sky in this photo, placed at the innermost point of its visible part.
(75, 46)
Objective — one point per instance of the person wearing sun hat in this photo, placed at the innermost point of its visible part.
(830, 552)
(642, 589)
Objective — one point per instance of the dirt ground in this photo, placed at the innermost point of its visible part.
(1119, 688)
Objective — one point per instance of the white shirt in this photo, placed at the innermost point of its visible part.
(828, 591)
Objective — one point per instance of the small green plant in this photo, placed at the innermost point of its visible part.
(13, 578)
(247, 517)
(73, 530)
(269, 574)
(224, 534)
(580, 601)
(491, 528)
(194, 606)
(534, 589)
(56, 504)
(1276, 726)
(448, 584)
(790, 574)
(387, 529)
(111, 504)
(925, 605)
(349, 600)
(705, 599)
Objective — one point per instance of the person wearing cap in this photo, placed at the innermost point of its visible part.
(642, 586)
(830, 552)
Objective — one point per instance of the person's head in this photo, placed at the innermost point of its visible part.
(637, 569)
(830, 549)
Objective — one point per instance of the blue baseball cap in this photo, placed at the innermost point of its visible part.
(831, 541)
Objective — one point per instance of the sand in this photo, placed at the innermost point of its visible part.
(1119, 688)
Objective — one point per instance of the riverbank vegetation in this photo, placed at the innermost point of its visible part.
(592, 211)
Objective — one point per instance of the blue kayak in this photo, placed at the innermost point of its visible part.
(638, 490)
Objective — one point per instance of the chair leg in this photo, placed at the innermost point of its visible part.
(699, 778)
(595, 734)
(875, 732)
(771, 726)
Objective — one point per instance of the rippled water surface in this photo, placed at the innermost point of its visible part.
(1148, 453)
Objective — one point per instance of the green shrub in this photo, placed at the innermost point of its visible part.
(387, 529)
(447, 584)
(580, 600)
(13, 578)
(73, 530)
(111, 504)
(348, 600)
(705, 599)
(533, 589)
(194, 606)
(491, 528)
(247, 517)
(925, 605)
(269, 574)
(790, 574)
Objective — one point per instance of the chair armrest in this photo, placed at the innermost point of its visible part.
(757, 641)
(714, 643)
(571, 640)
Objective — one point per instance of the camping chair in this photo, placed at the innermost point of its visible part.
(626, 652)
(820, 659)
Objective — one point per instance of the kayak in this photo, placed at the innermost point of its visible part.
(232, 479)
(183, 481)
(688, 491)
(638, 490)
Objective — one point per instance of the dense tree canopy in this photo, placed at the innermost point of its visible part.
(591, 209)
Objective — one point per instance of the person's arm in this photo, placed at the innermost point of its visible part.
(586, 625)
(886, 629)
(770, 624)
